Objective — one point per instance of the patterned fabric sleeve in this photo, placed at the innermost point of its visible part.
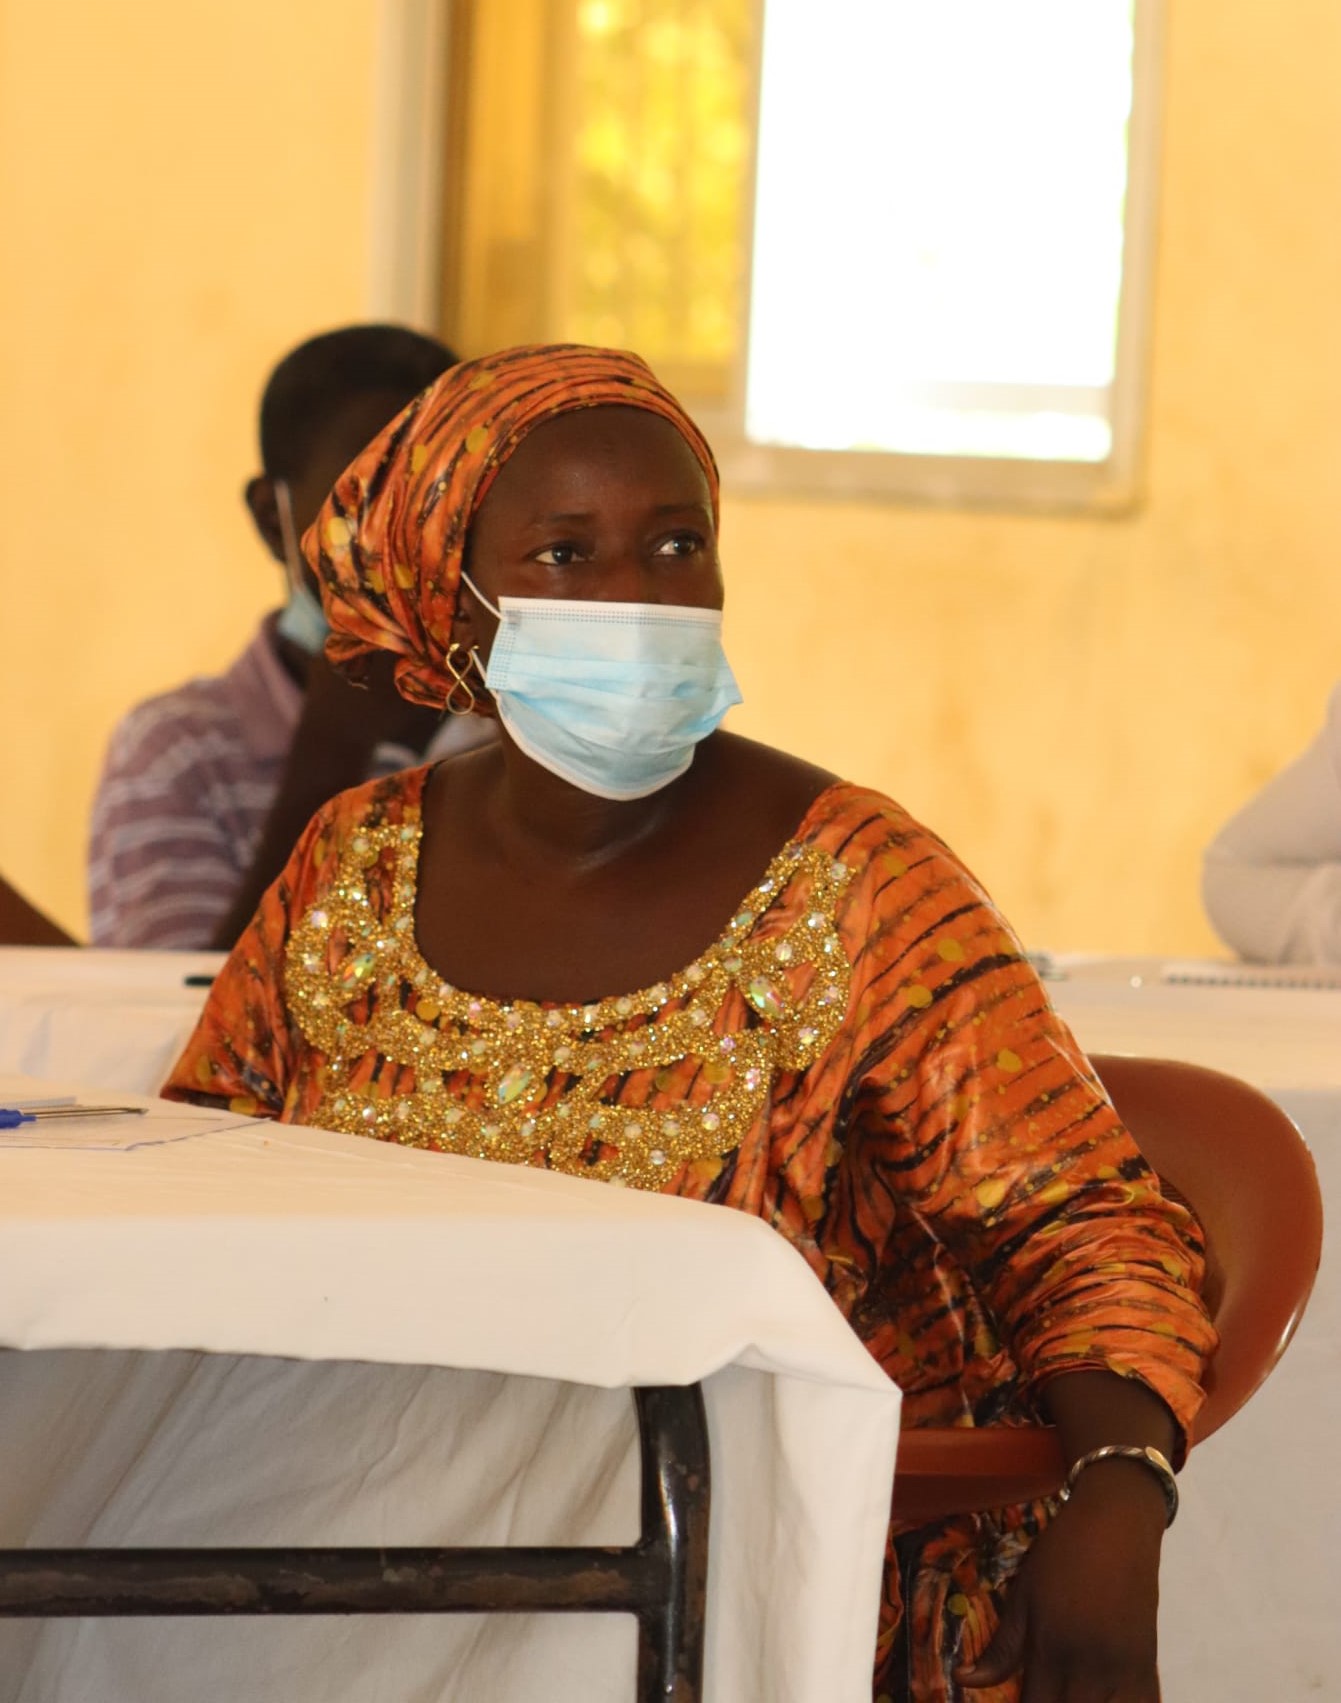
(973, 1105)
(241, 1055)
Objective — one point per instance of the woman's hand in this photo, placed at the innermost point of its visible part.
(1079, 1619)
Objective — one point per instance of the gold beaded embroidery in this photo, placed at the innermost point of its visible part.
(534, 1083)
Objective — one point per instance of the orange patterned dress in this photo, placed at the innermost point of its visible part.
(863, 1058)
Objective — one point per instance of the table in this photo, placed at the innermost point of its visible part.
(1247, 1606)
(1278, 1037)
(1247, 1593)
(329, 1281)
(113, 1020)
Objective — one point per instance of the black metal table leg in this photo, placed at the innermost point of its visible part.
(662, 1579)
(676, 1500)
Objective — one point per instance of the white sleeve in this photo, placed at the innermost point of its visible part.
(1271, 878)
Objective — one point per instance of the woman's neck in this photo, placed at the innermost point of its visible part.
(533, 816)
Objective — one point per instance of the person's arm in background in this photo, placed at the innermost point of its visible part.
(22, 924)
(1271, 878)
(341, 726)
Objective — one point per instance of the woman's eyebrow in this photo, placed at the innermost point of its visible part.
(578, 517)
(559, 519)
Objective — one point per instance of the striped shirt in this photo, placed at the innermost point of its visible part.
(188, 783)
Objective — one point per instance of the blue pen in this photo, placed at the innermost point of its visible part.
(12, 1116)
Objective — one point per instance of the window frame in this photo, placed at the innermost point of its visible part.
(1110, 486)
(415, 116)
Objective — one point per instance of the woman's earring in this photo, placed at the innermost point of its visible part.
(461, 698)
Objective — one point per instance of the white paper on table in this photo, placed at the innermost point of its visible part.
(302, 1245)
(148, 1123)
(111, 1133)
(102, 1135)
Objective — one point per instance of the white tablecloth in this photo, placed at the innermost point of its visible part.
(1248, 1607)
(1248, 1610)
(1248, 1601)
(303, 1246)
(110, 1019)
(1280, 1038)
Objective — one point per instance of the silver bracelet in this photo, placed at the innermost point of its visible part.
(1150, 1458)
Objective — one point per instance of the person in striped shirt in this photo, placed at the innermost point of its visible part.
(206, 788)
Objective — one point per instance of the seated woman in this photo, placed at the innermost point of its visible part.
(622, 944)
(1271, 878)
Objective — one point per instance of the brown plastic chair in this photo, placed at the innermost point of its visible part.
(1235, 1158)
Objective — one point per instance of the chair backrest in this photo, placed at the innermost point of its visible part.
(1234, 1157)
(1237, 1160)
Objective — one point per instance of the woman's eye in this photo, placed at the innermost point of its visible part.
(681, 544)
(559, 555)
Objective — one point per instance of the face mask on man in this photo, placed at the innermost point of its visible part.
(612, 697)
(301, 620)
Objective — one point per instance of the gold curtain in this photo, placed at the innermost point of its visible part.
(598, 179)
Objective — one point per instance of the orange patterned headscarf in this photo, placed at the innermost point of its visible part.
(388, 544)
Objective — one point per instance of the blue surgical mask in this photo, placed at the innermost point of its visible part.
(301, 620)
(612, 697)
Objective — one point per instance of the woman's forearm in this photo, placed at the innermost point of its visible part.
(1093, 1409)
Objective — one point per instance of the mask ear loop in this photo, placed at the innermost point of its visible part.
(288, 533)
(493, 608)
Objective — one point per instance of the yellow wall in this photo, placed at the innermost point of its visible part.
(1074, 704)
(183, 195)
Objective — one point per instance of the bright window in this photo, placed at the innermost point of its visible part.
(881, 245)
